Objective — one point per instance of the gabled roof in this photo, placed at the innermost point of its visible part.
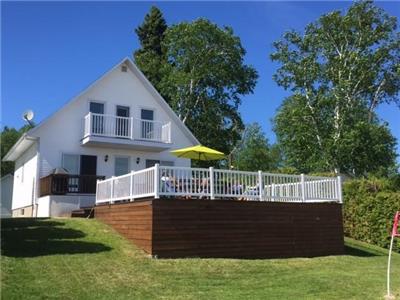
(14, 151)
(146, 84)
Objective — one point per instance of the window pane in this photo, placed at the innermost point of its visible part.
(121, 166)
(70, 162)
(147, 114)
(167, 163)
(122, 111)
(96, 108)
(151, 162)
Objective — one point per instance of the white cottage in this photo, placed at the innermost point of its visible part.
(118, 124)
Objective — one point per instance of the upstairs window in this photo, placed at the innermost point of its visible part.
(96, 108)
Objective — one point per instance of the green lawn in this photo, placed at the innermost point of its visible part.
(85, 259)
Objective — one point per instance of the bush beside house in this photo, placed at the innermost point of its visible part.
(369, 207)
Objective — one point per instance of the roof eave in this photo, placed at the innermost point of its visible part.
(24, 142)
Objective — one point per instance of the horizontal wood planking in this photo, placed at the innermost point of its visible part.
(227, 228)
(133, 220)
(245, 229)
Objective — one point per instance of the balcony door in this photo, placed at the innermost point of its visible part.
(122, 122)
(147, 118)
(88, 165)
(98, 121)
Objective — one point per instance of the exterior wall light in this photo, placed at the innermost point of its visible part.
(138, 160)
(106, 158)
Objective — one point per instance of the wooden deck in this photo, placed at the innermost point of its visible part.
(170, 228)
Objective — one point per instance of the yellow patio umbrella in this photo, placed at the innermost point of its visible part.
(198, 152)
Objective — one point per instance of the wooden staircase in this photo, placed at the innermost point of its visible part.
(83, 212)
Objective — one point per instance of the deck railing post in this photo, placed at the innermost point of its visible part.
(90, 124)
(303, 188)
(97, 190)
(339, 187)
(156, 181)
(260, 185)
(131, 193)
(112, 189)
(131, 119)
(212, 197)
(272, 191)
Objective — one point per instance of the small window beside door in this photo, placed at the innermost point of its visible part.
(70, 162)
(122, 165)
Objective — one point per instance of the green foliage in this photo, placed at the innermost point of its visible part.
(205, 79)
(150, 58)
(369, 208)
(9, 136)
(339, 71)
(254, 152)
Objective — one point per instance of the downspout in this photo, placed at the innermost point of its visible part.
(37, 187)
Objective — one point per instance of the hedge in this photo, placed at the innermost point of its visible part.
(368, 210)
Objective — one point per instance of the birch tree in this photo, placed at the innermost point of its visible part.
(339, 71)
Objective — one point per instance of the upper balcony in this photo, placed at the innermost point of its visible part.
(122, 132)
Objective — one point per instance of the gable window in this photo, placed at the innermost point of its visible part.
(122, 165)
(96, 107)
(147, 118)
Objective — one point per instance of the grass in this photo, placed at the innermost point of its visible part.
(85, 259)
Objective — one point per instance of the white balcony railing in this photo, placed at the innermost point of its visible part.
(128, 128)
(224, 184)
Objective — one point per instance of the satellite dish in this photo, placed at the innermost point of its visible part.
(28, 116)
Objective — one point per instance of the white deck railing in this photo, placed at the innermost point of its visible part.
(223, 184)
(129, 128)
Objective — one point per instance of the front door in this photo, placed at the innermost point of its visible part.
(122, 123)
(88, 165)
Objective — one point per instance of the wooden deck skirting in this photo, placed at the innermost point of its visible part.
(170, 228)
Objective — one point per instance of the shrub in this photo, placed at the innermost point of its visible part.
(369, 208)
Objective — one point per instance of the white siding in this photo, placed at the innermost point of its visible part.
(62, 134)
(62, 206)
(25, 178)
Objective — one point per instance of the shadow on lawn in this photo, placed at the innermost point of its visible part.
(353, 250)
(28, 237)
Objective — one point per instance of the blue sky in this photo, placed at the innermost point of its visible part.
(53, 50)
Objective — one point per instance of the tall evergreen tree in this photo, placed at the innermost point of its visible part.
(150, 58)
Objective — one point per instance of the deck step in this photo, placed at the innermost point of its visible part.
(83, 212)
